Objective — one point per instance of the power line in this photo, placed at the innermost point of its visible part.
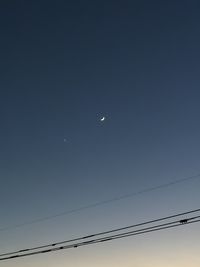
(104, 232)
(100, 240)
(101, 203)
(109, 235)
(151, 229)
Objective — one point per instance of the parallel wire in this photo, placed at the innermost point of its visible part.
(143, 232)
(29, 251)
(177, 222)
(110, 238)
(100, 203)
(103, 233)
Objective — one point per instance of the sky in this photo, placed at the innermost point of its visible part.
(65, 65)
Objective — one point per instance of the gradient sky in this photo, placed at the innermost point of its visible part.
(64, 65)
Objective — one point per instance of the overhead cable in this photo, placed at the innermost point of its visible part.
(101, 203)
(107, 235)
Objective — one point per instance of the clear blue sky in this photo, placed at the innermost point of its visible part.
(64, 65)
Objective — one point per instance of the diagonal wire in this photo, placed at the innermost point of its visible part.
(104, 202)
(109, 238)
(111, 231)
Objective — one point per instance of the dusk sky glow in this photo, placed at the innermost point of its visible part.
(99, 99)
